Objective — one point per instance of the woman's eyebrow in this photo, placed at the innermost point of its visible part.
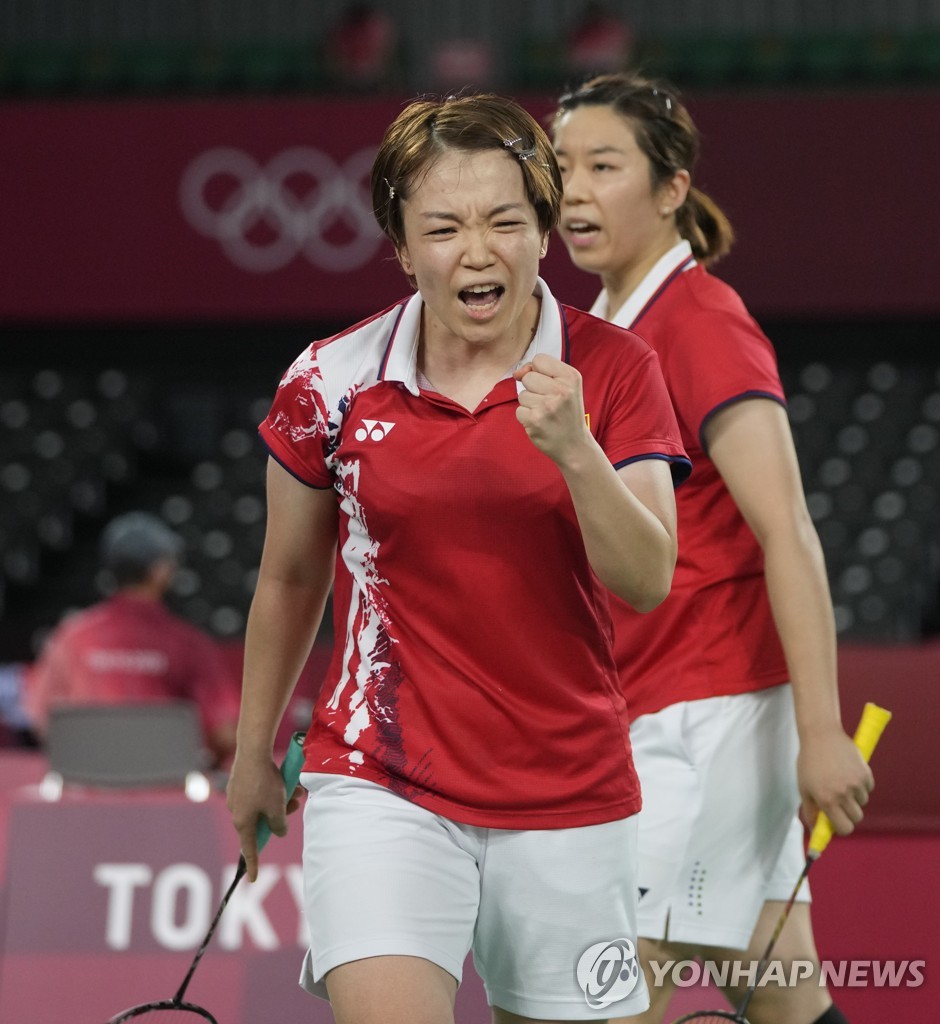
(450, 215)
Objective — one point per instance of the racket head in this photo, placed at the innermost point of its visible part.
(165, 1011)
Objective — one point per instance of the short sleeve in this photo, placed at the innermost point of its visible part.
(641, 422)
(296, 429)
(719, 358)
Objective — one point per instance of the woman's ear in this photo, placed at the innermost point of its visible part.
(673, 193)
(405, 260)
(544, 250)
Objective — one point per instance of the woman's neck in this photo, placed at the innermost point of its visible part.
(467, 372)
(621, 284)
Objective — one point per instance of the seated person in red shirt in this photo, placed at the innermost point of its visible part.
(131, 647)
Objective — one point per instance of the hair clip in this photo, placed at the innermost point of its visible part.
(666, 99)
(522, 154)
(391, 188)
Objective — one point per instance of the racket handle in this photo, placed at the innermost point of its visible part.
(870, 727)
(291, 767)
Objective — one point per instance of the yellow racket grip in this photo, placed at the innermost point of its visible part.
(870, 727)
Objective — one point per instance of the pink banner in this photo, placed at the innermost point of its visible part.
(120, 899)
(105, 897)
(111, 895)
(258, 210)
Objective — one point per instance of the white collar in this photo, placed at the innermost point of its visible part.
(646, 289)
(401, 363)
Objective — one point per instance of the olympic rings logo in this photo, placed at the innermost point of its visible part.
(302, 201)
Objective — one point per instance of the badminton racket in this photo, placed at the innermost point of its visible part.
(870, 727)
(177, 1010)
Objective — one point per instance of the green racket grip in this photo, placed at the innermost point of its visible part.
(291, 767)
(870, 727)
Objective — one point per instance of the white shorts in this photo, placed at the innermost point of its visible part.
(718, 833)
(550, 914)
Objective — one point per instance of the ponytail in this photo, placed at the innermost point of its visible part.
(704, 226)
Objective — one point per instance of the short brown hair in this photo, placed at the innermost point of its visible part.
(427, 128)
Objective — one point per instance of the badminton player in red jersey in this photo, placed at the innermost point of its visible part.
(731, 682)
(477, 465)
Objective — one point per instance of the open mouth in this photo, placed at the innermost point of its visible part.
(481, 297)
(581, 228)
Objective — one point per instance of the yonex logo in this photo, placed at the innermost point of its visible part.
(374, 430)
(608, 972)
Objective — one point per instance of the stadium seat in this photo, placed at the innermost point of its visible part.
(125, 745)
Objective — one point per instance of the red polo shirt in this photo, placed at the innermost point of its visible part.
(472, 668)
(714, 634)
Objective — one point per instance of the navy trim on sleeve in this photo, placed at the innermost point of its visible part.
(730, 401)
(681, 467)
(286, 468)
